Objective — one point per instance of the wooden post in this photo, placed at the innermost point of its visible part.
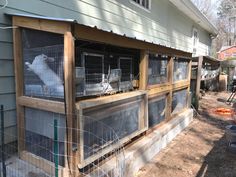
(143, 67)
(69, 74)
(170, 80)
(189, 80)
(198, 82)
(18, 65)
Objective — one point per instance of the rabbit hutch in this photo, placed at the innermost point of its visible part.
(80, 76)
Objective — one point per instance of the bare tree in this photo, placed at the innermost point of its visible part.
(206, 7)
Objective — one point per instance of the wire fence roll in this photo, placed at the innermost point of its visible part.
(96, 145)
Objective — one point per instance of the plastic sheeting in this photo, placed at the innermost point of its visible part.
(179, 100)
(181, 68)
(157, 69)
(156, 110)
(106, 129)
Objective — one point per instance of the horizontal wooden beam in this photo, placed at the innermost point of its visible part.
(160, 89)
(108, 99)
(181, 84)
(93, 34)
(42, 24)
(42, 104)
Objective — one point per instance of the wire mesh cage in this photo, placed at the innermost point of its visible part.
(45, 151)
(156, 110)
(126, 117)
(43, 57)
(181, 68)
(104, 73)
(157, 69)
(179, 100)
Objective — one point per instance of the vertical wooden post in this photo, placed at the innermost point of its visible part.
(189, 80)
(170, 80)
(143, 67)
(69, 74)
(19, 80)
(198, 84)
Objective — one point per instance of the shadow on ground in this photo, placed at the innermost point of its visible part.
(219, 162)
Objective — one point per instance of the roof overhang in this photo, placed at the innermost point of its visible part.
(142, 43)
(189, 9)
(207, 59)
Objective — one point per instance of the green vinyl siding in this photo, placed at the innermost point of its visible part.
(163, 24)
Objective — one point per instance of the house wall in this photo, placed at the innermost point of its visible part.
(227, 54)
(163, 24)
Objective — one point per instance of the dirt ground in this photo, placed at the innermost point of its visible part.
(200, 150)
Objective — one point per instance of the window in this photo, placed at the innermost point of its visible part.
(156, 110)
(143, 3)
(157, 69)
(181, 68)
(195, 41)
(39, 133)
(179, 100)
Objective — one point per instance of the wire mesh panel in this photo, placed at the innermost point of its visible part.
(157, 69)
(181, 68)
(126, 66)
(156, 110)
(122, 120)
(43, 56)
(39, 133)
(179, 100)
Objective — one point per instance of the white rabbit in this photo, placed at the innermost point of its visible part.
(44, 72)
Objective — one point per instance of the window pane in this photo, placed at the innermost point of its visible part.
(39, 133)
(157, 69)
(156, 110)
(43, 56)
(179, 101)
(123, 121)
(180, 70)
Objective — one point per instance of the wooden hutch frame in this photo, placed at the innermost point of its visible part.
(70, 30)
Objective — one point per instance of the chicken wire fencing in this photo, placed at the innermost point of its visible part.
(46, 148)
(43, 58)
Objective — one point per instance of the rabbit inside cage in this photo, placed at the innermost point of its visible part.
(43, 56)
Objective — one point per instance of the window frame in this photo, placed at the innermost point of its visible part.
(195, 40)
(188, 69)
(150, 86)
(141, 6)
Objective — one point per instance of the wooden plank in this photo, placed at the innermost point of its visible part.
(170, 68)
(69, 75)
(181, 84)
(198, 84)
(144, 113)
(108, 99)
(170, 94)
(188, 90)
(143, 69)
(42, 104)
(42, 25)
(19, 86)
(93, 34)
(161, 89)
